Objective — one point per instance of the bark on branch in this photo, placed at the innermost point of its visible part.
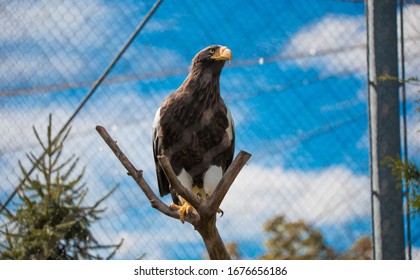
(204, 218)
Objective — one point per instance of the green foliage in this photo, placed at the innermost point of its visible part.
(294, 241)
(51, 220)
(411, 80)
(409, 173)
(406, 171)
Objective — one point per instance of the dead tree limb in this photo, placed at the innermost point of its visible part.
(204, 217)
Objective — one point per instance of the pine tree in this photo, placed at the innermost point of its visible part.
(50, 219)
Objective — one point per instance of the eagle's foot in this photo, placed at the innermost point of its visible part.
(185, 208)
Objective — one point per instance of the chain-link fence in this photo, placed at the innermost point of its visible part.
(296, 89)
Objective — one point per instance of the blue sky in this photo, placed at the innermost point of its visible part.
(296, 89)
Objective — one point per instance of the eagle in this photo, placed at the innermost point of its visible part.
(194, 129)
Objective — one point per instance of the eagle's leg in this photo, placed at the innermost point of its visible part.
(185, 208)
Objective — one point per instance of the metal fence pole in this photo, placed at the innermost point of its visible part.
(387, 210)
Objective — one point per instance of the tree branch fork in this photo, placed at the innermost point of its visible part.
(203, 218)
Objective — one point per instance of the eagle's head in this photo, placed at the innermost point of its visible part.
(212, 58)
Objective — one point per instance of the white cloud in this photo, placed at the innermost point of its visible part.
(333, 195)
(322, 39)
(53, 21)
(336, 43)
(65, 42)
(39, 69)
(48, 40)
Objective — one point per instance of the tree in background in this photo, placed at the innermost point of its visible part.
(299, 241)
(51, 220)
(233, 250)
(361, 249)
(294, 241)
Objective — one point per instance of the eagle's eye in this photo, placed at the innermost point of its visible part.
(211, 51)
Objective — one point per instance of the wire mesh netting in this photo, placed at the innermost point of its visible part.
(296, 88)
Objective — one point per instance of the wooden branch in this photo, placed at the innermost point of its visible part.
(204, 219)
(214, 244)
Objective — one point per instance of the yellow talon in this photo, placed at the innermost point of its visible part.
(185, 208)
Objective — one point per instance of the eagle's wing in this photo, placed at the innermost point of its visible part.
(163, 183)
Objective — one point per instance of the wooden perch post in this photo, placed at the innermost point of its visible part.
(204, 219)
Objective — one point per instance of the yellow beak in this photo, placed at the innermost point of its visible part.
(222, 53)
